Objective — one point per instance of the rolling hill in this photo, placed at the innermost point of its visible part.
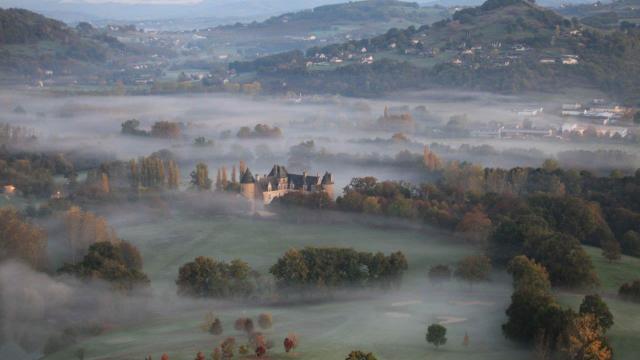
(31, 44)
(502, 45)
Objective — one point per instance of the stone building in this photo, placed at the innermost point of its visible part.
(280, 182)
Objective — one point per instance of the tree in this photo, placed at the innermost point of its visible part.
(166, 129)
(336, 267)
(205, 277)
(200, 177)
(22, 240)
(216, 327)
(173, 175)
(531, 301)
(631, 243)
(584, 340)
(265, 321)
(105, 261)
(261, 351)
(430, 160)
(360, 355)
(291, 342)
(473, 269)
(475, 227)
(593, 304)
(550, 165)
(439, 274)
(228, 347)
(248, 326)
(564, 258)
(611, 249)
(84, 228)
(630, 291)
(436, 335)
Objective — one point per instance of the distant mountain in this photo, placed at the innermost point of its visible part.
(605, 15)
(324, 24)
(352, 16)
(502, 45)
(153, 11)
(357, 11)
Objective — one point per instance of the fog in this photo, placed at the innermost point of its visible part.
(348, 142)
(345, 129)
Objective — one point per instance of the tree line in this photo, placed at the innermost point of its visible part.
(545, 213)
(309, 268)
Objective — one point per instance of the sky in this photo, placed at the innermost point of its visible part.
(132, 10)
(130, 2)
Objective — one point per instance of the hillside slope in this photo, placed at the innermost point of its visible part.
(323, 25)
(32, 43)
(502, 45)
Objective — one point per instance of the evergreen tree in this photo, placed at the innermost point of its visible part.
(436, 335)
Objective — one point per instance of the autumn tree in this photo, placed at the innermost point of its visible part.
(200, 177)
(584, 340)
(84, 228)
(228, 347)
(173, 175)
(430, 160)
(436, 335)
(475, 227)
(593, 304)
(265, 321)
(22, 240)
(261, 351)
(291, 342)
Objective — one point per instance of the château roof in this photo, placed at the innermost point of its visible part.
(247, 177)
(278, 171)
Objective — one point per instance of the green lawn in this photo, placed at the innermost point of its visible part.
(625, 333)
(392, 325)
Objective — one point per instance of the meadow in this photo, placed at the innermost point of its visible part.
(391, 324)
(625, 333)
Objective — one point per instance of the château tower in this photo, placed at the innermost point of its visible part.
(248, 185)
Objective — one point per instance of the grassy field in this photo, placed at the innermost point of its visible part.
(392, 325)
(625, 333)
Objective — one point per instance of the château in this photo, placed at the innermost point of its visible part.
(280, 182)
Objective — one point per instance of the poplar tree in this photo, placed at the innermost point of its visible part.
(200, 177)
(173, 176)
